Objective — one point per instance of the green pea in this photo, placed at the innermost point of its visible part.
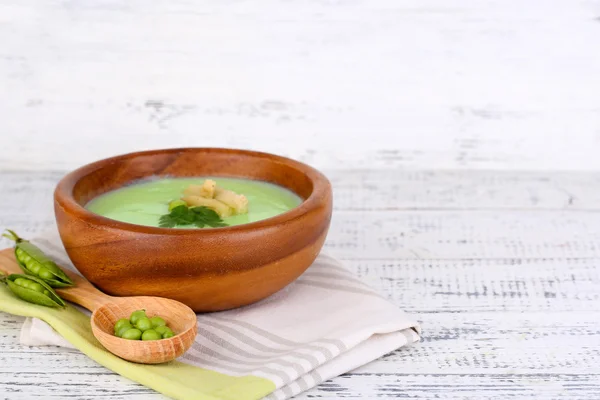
(122, 329)
(157, 321)
(163, 329)
(143, 324)
(121, 322)
(176, 203)
(34, 262)
(37, 287)
(168, 334)
(132, 334)
(21, 282)
(137, 315)
(27, 284)
(44, 273)
(151, 334)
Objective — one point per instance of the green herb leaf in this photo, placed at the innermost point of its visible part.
(197, 216)
(206, 212)
(206, 216)
(183, 215)
(166, 221)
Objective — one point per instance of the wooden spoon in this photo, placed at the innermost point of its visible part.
(106, 310)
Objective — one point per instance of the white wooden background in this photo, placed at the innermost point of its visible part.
(486, 84)
(442, 125)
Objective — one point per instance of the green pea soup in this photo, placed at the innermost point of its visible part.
(143, 203)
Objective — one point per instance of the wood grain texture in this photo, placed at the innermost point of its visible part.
(506, 288)
(206, 269)
(485, 285)
(371, 83)
(395, 190)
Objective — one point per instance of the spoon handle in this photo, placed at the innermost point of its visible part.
(83, 293)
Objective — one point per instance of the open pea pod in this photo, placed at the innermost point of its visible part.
(34, 262)
(33, 290)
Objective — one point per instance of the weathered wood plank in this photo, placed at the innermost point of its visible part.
(389, 190)
(403, 233)
(464, 234)
(304, 79)
(519, 285)
(436, 234)
(101, 384)
(507, 288)
(369, 190)
(360, 386)
(500, 343)
(458, 386)
(469, 343)
(541, 346)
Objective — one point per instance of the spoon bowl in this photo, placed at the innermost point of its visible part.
(180, 318)
(107, 310)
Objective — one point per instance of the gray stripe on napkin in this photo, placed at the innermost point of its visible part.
(275, 359)
(250, 365)
(259, 346)
(216, 339)
(325, 352)
(272, 337)
(337, 343)
(240, 336)
(287, 391)
(293, 345)
(317, 377)
(201, 361)
(302, 383)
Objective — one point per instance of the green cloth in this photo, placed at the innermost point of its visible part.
(174, 379)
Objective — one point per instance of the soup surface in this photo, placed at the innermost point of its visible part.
(143, 203)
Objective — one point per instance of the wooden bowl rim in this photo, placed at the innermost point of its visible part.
(63, 194)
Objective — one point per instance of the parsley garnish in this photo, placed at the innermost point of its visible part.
(197, 216)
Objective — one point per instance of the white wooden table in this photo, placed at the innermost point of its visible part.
(440, 123)
(502, 269)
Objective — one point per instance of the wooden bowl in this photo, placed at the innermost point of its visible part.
(207, 269)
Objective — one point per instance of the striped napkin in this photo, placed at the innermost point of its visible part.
(324, 324)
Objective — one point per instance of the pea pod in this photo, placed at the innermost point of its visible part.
(33, 290)
(34, 262)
